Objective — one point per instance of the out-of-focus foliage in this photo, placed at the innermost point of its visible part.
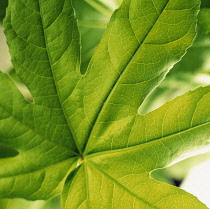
(92, 22)
(204, 17)
(24, 204)
(205, 4)
(3, 5)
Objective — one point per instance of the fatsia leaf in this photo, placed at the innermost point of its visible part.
(83, 133)
(163, 135)
(52, 50)
(117, 89)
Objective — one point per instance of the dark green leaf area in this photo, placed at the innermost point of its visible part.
(3, 6)
(205, 4)
(6, 152)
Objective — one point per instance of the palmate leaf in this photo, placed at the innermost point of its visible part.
(83, 135)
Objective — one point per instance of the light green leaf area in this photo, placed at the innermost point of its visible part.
(83, 135)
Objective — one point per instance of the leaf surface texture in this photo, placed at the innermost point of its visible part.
(83, 134)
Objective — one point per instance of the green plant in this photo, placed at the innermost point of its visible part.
(83, 135)
(195, 63)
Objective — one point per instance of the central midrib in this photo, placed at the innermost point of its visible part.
(119, 77)
(136, 146)
(55, 84)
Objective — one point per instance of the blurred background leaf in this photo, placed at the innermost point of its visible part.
(24, 204)
(3, 6)
(205, 4)
(93, 16)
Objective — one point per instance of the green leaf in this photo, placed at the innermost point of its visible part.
(82, 134)
(55, 58)
(185, 73)
(167, 134)
(117, 89)
(38, 131)
(36, 141)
